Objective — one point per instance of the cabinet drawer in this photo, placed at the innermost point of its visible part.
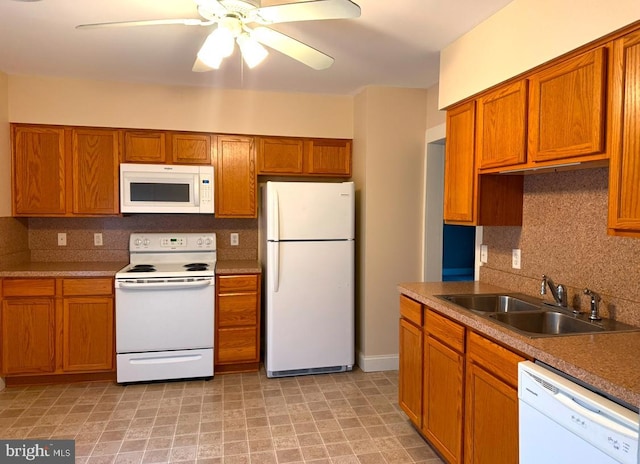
(411, 310)
(445, 330)
(237, 345)
(237, 310)
(74, 287)
(238, 283)
(28, 287)
(498, 360)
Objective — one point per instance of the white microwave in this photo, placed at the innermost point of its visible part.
(165, 188)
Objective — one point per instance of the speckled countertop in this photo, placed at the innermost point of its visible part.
(238, 266)
(62, 269)
(109, 269)
(609, 362)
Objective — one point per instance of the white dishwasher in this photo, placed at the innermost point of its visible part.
(563, 422)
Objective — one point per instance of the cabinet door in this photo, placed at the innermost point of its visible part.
(235, 177)
(567, 108)
(328, 157)
(280, 155)
(145, 147)
(410, 372)
(38, 171)
(95, 158)
(443, 398)
(459, 170)
(190, 148)
(87, 334)
(501, 132)
(237, 345)
(491, 419)
(28, 336)
(624, 167)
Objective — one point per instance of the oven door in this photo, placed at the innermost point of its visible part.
(171, 314)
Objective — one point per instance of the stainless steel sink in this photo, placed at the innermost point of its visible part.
(546, 323)
(533, 317)
(494, 303)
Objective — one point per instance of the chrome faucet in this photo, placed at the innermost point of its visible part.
(559, 292)
(595, 299)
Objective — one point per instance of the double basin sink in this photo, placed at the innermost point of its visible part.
(533, 317)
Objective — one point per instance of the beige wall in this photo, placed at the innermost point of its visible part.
(388, 171)
(435, 117)
(5, 155)
(113, 104)
(522, 35)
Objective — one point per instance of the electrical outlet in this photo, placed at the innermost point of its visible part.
(97, 239)
(235, 239)
(515, 258)
(62, 239)
(484, 254)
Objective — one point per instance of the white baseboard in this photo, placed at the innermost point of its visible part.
(378, 363)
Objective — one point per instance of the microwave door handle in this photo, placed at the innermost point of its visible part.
(196, 193)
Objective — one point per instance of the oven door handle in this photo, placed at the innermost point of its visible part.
(164, 285)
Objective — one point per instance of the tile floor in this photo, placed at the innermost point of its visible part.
(347, 418)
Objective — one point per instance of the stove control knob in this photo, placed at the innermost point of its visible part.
(207, 242)
(138, 242)
(146, 242)
(199, 242)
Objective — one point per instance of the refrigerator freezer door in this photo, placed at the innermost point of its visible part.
(309, 210)
(310, 317)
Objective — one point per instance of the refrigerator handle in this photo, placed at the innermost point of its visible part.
(275, 262)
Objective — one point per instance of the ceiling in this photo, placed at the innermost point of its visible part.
(393, 43)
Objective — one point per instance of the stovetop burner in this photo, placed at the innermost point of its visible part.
(143, 268)
(196, 266)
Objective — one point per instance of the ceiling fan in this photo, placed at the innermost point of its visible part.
(231, 19)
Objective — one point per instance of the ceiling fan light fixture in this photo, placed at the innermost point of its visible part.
(253, 53)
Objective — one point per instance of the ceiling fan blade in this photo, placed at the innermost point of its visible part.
(199, 66)
(291, 47)
(306, 11)
(151, 22)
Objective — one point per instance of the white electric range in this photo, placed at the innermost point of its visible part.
(165, 305)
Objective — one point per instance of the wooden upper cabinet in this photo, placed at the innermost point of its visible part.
(567, 108)
(39, 170)
(280, 155)
(501, 120)
(624, 130)
(236, 179)
(293, 156)
(328, 157)
(190, 148)
(95, 158)
(459, 168)
(145, 147)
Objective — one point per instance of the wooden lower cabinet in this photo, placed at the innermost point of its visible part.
(237, 323)
(410, 379)
(466, 384)
(57, 326)
(443, 386)
(28, 336)
(491, 412)
(88, 334)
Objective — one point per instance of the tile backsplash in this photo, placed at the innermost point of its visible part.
(564, 235)
(43, 233)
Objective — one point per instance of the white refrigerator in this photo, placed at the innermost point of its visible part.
(307, 250)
